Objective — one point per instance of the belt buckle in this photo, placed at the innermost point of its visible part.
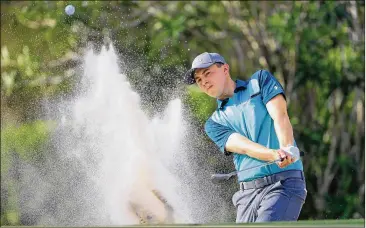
(259, 183)
(269, 180)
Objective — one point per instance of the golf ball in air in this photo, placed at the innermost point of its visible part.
(70, 10)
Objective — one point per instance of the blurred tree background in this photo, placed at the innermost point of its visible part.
(315, 49)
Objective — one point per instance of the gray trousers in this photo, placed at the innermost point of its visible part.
(279, 201)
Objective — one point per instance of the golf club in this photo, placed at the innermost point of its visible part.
(220, 177)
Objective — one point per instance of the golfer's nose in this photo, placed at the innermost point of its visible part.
(204, 81)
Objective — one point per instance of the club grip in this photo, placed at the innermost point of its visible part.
(302, 153)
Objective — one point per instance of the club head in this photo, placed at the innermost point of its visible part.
(219, 178)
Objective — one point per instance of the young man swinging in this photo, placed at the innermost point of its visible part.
(251, 123)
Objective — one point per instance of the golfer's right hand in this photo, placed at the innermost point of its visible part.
(286, 158)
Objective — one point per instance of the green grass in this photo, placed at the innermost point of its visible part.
(302, 223)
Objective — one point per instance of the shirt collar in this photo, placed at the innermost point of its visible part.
(240, 85)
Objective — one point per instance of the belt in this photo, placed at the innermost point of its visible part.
(271, 179)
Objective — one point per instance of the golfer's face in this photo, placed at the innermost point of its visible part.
(211, 80)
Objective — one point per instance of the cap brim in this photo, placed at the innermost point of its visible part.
(189, 77)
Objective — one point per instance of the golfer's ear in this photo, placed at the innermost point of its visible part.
(226, 68)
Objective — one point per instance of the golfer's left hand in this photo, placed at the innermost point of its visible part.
(287, 158)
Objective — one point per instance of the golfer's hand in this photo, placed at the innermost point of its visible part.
(287, 159)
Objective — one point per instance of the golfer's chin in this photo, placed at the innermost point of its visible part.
(212, 93)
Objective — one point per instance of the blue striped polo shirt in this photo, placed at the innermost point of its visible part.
(246, 113)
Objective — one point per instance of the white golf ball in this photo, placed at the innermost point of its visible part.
(69, 9)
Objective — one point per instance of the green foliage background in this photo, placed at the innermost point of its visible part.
(315, 49)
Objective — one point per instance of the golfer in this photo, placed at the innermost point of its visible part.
(251, 123)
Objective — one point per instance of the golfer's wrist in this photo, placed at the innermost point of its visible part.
(275, 155)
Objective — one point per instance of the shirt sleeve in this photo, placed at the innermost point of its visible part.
(219, 134)
(270, 86)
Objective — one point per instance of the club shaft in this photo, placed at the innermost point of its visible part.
(254, 167)
(261, 165)
(222, 177)
(216, 178)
